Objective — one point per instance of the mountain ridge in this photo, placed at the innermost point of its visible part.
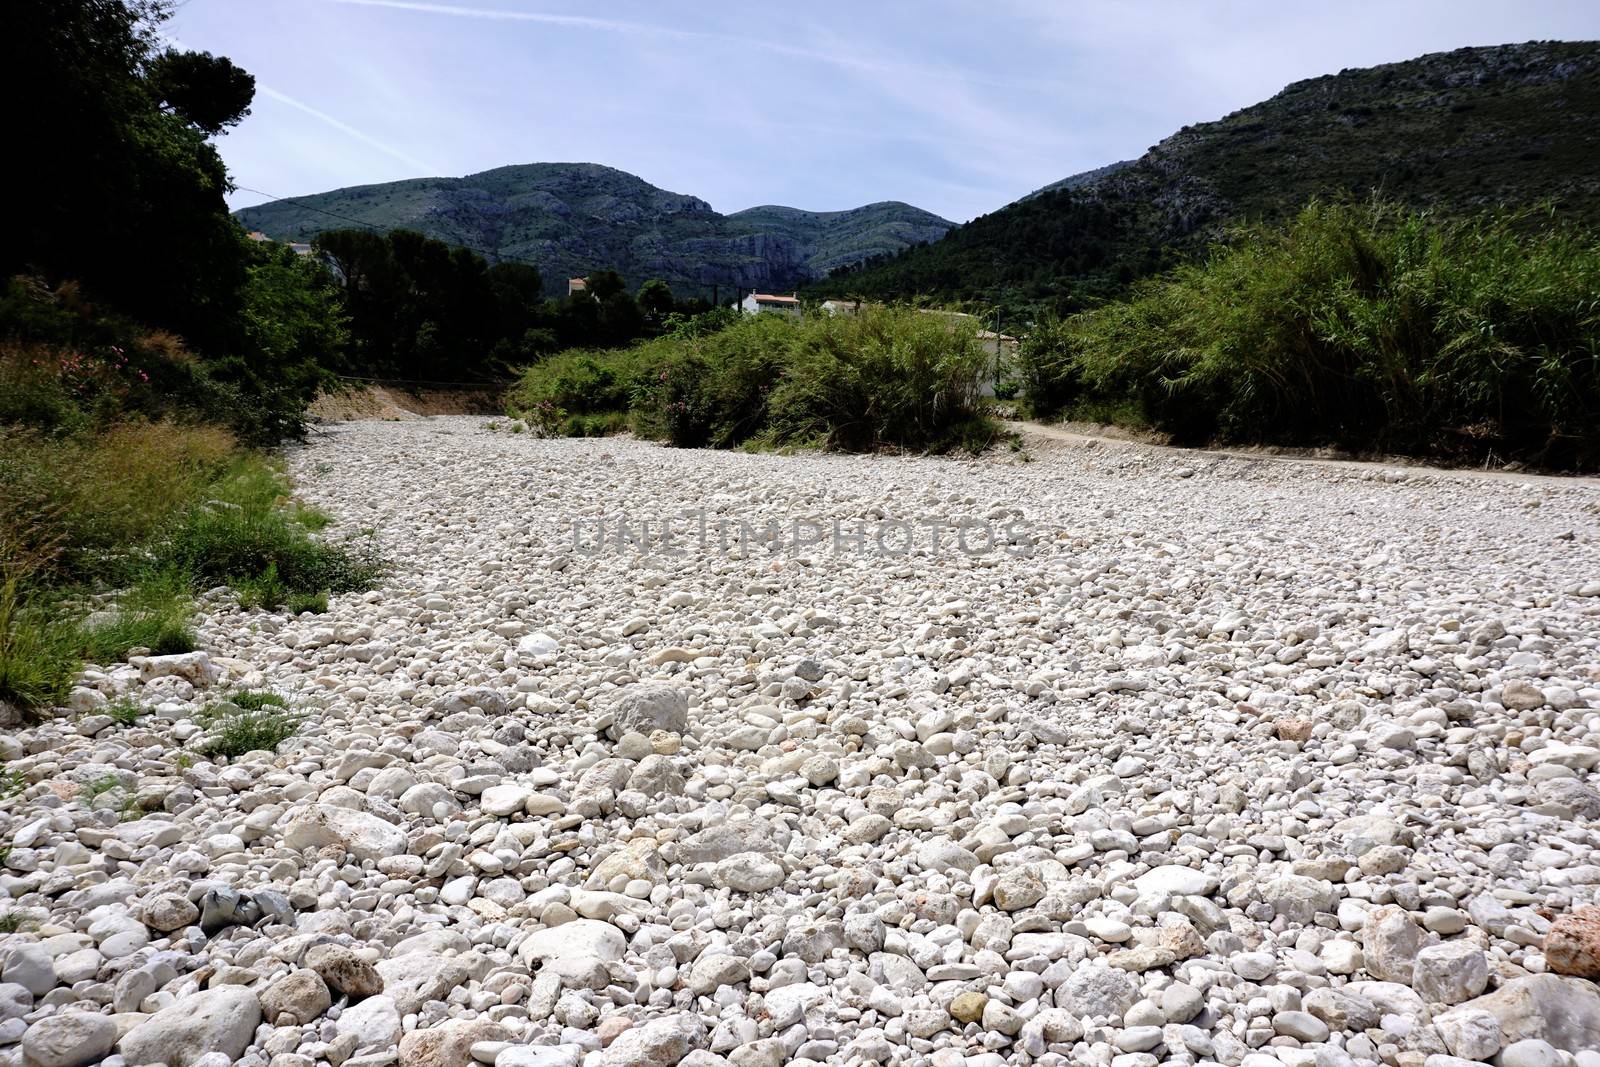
(573, 218)
(1500, 125)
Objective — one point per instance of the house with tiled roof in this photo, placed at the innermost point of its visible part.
(756, 303)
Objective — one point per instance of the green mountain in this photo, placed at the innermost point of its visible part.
(1457, 131)
(572, 218)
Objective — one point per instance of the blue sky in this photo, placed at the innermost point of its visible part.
(955, 106)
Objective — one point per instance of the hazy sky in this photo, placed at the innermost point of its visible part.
(955, 106)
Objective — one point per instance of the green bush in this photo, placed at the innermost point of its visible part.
(890, 376)
(573, 385)
(1361, 326)
(882, 378)
(95, 496)
(712, 388)
(126, 711)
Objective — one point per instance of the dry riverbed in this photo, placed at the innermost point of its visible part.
(1131, 757)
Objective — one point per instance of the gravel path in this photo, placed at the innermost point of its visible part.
(1176, 759)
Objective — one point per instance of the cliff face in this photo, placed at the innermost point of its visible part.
(571, 218)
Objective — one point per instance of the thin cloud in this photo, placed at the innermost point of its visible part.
(641, 29)
(343, 127)
(499, 14)
(347, 129)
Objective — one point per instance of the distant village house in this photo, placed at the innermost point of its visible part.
(577, 285)
(756, 303)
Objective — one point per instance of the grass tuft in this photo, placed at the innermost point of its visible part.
(233, 729)
(154, 614)
(257, 699)
(249, 534)
(125, 712)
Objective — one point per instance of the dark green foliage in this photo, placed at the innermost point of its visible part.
(119, 219)
(421, 310)
(296, 337)
(38, 657)
(1456, 132)
(655, 300)
(67, 364)
(1367, 327)
(300, 603)
(883, 378)
(1061, 250)
(122, 192)
(126, 711)
(205, 90)
(604, 284)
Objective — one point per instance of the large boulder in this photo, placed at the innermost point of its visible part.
(193, 667)
(581, 937)
(295, 999)
(486, 700)
(645, 707)
(719, 841)
(1390, 941)
(364, 836)
(72, 1039)
(414, 978)
(448, 1044)
(375, 1022)
(212, 1020)
(658, 1043)
(1451, 972)
(344, 971)
(1546, 1007)
(1573, 944)
(1097, 991)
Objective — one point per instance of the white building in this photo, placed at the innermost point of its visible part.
(756, 303)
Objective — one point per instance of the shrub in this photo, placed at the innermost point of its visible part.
(38, 659)
(889, 376)
(300, 603)
(580, 382)
(881, 378)
(1363, 326)
(38, 656)
(712, 388)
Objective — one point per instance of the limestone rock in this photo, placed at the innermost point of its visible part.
(221, 1020)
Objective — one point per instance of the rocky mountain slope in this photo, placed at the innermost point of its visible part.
(572, 218)
(1458, 131)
